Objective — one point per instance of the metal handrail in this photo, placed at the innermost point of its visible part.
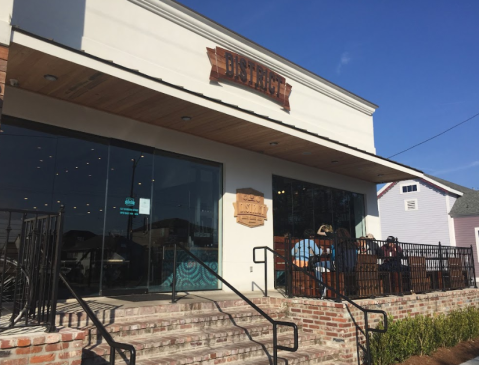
(343, 297)
(114, 346)
(275, 323)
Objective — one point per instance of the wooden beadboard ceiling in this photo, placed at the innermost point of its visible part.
(90, 88)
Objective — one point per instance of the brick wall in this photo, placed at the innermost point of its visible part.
(61, 348)
(337, 323)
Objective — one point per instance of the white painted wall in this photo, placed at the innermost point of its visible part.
(169, 42)
(429, 224)
(6, 13)
(241, 168)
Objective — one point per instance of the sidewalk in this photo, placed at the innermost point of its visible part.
(474, 361)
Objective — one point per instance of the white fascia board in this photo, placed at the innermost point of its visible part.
(78, 58)
(384, 188)
(442, 186)
(224, 37)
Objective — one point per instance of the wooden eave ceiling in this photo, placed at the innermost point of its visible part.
(97, 90)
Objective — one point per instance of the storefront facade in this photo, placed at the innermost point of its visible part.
(123, 121)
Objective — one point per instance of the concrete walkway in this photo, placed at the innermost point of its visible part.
(472, 362)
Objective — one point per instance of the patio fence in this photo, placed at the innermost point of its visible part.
(370, 268)
(30, 243)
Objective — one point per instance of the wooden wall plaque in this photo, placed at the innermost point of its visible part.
(250, 209)
(241, 70)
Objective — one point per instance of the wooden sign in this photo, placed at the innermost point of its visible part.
(250, 209)
(241, 70)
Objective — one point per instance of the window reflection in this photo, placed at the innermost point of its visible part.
(110, 243)
(186, 210)
(48, 168)
(125, 256)
(298, 206)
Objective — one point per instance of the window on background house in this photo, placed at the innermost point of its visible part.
(409, 188)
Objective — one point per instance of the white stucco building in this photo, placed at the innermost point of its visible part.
(109, 109)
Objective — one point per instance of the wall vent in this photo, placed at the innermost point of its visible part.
(410, 204)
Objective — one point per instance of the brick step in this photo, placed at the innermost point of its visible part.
(71, 314)
(244, 350)
(154, 324)
(311, 354)
(189, 340)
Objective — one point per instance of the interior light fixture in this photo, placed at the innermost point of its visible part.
(273, 143)
(186, 118)
(334, 161)
(50, 77)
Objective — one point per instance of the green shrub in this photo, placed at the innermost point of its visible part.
(421, 335)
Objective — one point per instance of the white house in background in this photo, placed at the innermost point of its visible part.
(430, 210)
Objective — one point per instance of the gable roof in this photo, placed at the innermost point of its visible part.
(449, 184)
(466, 206)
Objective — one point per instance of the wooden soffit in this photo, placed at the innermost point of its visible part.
(88, 87)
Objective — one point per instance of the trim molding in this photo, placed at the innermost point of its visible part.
(232, 41)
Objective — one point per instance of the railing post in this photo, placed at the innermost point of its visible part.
(275, 345)
(266, 273)
(56, 269)
(366, 331)
(441, 268)
(473, 267)
(173, 284)
(289, 268)
(4, 255)
(112, 355)
(336, 266)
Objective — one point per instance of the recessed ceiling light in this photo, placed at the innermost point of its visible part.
(186, 118)
(273, 143)
(50, 77)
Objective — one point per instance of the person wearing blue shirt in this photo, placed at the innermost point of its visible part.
(304, 249)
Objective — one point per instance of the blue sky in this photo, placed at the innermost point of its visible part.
(417, 60)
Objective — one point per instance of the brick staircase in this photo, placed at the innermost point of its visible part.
(205, 333)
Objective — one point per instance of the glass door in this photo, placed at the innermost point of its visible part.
(127, 227)
(185, 209)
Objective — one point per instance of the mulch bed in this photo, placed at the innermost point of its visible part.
(448, 356)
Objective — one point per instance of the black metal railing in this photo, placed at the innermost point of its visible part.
(29, 267)
(114, 346)
(361, 268)
(290, 266)
(275, 323)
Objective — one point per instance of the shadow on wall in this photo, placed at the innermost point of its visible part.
(60, 20)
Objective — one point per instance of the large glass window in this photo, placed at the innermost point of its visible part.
(298, 206)
(124, 206)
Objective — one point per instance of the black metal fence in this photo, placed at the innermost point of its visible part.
(360, 268)
(30, 244)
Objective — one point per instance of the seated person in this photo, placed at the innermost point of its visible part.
(367, 245)
(392, 253)
(325, 230)
(304, 249)
(346, 254)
